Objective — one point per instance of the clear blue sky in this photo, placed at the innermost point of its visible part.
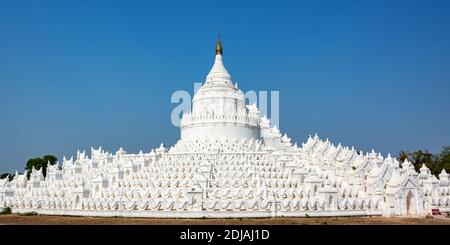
(75, 74)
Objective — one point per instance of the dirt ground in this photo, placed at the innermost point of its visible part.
(16, 219)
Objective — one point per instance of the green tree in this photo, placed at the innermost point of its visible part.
(420, 157)
(50, 158)
(40, 162)
(7, 175)
(4, 175)
(444, 160)
(402, 156)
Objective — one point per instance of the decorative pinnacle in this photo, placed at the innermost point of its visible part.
(219, 49)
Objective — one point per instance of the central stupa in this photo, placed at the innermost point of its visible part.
(219, 109)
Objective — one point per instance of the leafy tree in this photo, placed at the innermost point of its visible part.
(402, 156)
(50, 158)
(444, 160)
(4, 175)
(423, 157)
(434, 162)
(7, 175)
(40, 162)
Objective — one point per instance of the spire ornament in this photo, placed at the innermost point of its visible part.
(219, 50)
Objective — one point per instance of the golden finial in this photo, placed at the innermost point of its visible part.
(219, 49)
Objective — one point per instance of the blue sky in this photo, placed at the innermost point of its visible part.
(75, 74)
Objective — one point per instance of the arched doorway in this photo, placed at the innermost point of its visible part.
(410, 204)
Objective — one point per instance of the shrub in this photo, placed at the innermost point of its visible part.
(6, 210)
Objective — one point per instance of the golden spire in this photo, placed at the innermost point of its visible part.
(219, 49)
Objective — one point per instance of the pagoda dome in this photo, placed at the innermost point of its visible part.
(219, 109)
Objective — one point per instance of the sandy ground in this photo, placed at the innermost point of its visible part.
(71, 220)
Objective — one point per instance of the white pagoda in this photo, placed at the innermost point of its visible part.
(229, 162)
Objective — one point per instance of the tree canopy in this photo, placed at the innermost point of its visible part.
(435, 162)
(7, 175)
(40, 162)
